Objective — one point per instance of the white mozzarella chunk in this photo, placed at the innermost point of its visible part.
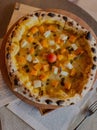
(15, 49)
(20, 32)
(24, 43)
(51, 42)
(74, 46)
(28, 84)
(37, 83)
(40, 47)
(69, 66)
(47, 34)
(57, 47)
(63, 37)
(55, 69)
(35, 61)
(64, 73)
(31, 21)
(29, 58)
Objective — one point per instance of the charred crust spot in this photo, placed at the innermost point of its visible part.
(94, 44)
(31, 14)
(7, 55)
(12, 70)
(85, 87)
(37, 14)
(37, 99)
(60, 102)
(24, 92)
(10, 74)
(82, 27)
(25, 89)
(72, 103)
(42, 15)
(48, 101)
(25, 18)
(70, 23)
(68, 99)
(16, 81)
(12, 34)
(59, 15)
(88, 36)
(9, 44)
(41, 92)
(93, 50)
(95, 58)
(51, 14)
(93, 67)
(77, 24)
(7, 49)
(30, 95)
(65, 18)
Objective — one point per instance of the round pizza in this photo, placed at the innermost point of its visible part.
(51, 58)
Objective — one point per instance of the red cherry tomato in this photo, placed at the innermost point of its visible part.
(51, 57)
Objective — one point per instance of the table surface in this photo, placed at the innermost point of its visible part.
(8, 120)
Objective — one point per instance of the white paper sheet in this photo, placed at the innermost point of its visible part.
(54, 120)
(59, 119)
(6, 95)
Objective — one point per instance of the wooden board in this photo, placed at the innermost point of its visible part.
(20, 9)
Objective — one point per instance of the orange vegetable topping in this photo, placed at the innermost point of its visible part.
(78, 51)
(67, 85)
(72, 38)
(32, 51)
(31, 39)
(34, 72)
(55, 83)
(73, 72)
(34, 30)
(45, 67)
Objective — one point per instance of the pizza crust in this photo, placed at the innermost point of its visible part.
(12, 48)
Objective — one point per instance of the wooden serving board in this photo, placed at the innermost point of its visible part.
(21, 10)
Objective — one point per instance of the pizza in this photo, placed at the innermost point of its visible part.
(50, 58)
